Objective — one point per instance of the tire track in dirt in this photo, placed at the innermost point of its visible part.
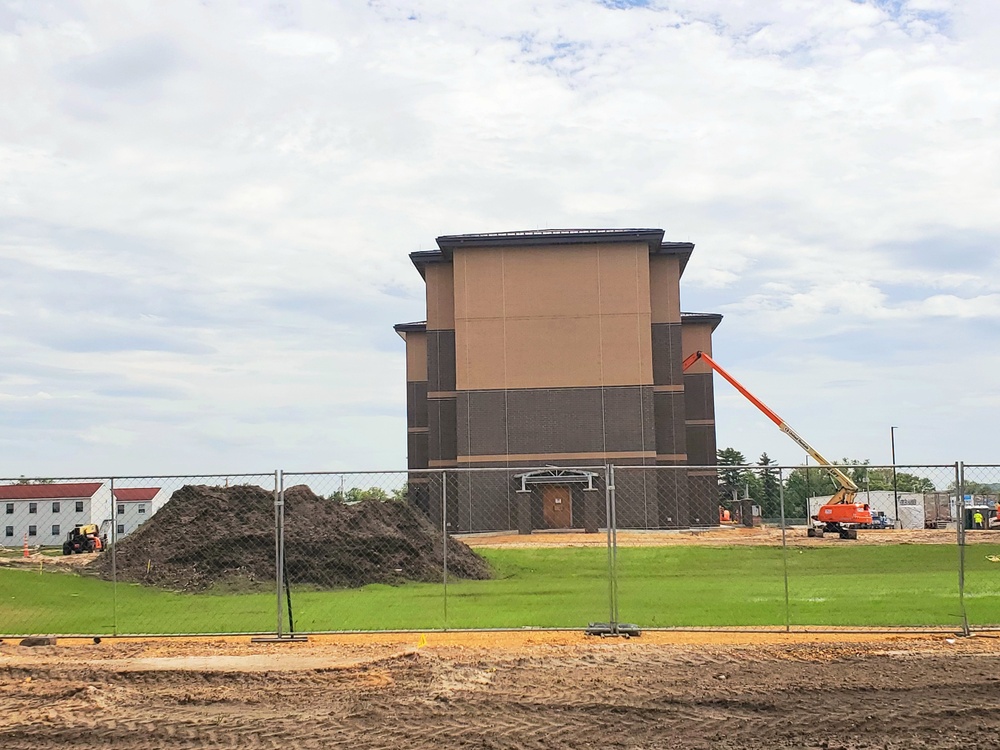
(632, 698)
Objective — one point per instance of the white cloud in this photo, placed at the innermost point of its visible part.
(206, 208)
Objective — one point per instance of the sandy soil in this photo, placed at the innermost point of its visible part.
(722, 537)
(510, 690)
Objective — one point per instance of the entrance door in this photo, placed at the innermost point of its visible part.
(557, 507)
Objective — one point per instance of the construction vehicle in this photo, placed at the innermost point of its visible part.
(83, 538)
(841, 515)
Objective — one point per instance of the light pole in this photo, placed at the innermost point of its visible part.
(895, 492)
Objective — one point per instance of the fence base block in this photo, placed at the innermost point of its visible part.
(607, 629)
(279, 639)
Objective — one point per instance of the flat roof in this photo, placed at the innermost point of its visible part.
(419, 326)
(653, 238)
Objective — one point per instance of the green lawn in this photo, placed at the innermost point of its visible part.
(845, 584)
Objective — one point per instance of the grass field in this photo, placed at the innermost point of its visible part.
(857, 585)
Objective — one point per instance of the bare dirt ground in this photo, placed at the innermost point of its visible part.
(735, 536)
(506, 690)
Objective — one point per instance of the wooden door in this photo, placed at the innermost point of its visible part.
(557, 507)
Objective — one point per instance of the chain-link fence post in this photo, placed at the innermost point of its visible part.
(444, 540)
(960, 530)
(279, 545)
(114, 559)
(609, 502)
(784, 547)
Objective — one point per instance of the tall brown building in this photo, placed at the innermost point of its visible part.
(561, 348)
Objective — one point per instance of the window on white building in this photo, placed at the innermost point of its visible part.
(32, 531)
(55, 529)
(121, 528)
(10, 508)
(32, 507)
(142, 509)
(55, 507)
(8, 531)
(79, 506)
(121, 509)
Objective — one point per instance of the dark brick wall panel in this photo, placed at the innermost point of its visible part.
(699, 396)
(482, 423)
(667, 357)
(441, 360)
(442, 440)
(671, 432)
(556, 420)
(416, 450)
(701, 444)
(703, 501)
(416, 403)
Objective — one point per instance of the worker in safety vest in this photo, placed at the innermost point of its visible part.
(977, 520)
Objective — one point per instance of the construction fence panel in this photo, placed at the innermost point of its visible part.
(362, 551)
(681, 560)
(540, 540)
(191, 554)
(42, 590)
(901, 570)
(979, 507)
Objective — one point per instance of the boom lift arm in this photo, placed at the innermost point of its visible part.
(848, 489)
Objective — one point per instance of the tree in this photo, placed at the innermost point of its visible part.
(23, 480)
(730, 478)
(770, 492)
(737, 480)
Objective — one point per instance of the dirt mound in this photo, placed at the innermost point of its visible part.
(224, 536)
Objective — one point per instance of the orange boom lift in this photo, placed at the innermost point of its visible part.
(841, 515)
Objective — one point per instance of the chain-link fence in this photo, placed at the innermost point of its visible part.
(548, 547)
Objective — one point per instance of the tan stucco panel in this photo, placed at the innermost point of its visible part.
(551, 281)
(416, 356)
(480, 360)
(626, 350)
(697, 337)
(624, 279)
(664, 288)
(553, 352)
(537, 317)
(479, 287)
(440, 296)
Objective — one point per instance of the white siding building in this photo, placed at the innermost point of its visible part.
(43, 514)
(134, 506)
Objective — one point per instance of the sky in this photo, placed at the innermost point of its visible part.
(206, 210)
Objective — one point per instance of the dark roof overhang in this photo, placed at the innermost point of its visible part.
(682, 250)
(652, 238)
(417, 326)
(712, 319)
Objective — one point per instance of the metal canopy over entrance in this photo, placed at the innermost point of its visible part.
(556, 476)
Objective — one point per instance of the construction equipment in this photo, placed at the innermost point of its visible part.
(83, 538)
(842, 515)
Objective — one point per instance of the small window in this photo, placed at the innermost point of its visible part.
(32, 507)
(121, 528)
(8, 531)
(10, 508)
(55, 529)
(55, 507)
(121, 509)
(142, 509)
(79, 506)
(32, 531)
